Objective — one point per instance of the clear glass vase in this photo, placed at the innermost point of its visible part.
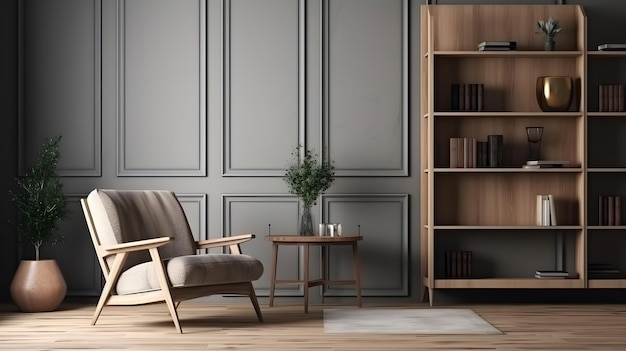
(306, 221)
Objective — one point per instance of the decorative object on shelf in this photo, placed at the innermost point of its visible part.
(534, 135)
(329, 229)
(554, 94)
(497, 46)
(549, 29)
(612, 47)
(38, 285)
(308, 178)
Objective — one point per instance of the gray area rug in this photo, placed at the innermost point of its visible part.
(406, 321)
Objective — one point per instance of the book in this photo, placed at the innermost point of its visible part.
(494, 145)
(552, 273)
(552, 210)
(612, 47)
(547, 162)
(618, 210)
(497, 45)
(454, 149)
(610, 209)
(480, 97)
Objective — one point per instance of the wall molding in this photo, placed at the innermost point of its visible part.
(403, 236)
(403, 170)
(227, 168)
(123, 169)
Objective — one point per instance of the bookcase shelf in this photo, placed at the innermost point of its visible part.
(491, 212)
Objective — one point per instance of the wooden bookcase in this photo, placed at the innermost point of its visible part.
(492, 211)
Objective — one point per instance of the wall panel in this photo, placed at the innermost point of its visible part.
(264, 214)
(161, 88)
(365, 124)
(263, 67)
(383, 222)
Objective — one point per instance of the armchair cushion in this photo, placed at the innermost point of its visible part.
(192, 270)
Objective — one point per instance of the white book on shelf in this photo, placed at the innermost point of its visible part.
(545, 203)
(539, 212)
(552, 210)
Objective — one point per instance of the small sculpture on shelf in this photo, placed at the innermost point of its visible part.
(549, 29)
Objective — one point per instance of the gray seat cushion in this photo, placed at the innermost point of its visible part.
(192, 270)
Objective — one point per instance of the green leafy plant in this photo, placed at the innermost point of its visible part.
(549, 28)
(40, 203)
(307, 177)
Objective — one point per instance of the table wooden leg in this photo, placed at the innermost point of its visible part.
(306, 278)
(274, 264)
(357, 273)
(323, 268)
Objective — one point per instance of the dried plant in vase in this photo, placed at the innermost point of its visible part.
(549, 29)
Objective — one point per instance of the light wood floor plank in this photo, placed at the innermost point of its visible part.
(209, 326)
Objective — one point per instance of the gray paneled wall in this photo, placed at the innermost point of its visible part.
(208, 98)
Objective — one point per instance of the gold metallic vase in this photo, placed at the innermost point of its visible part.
(554, 94)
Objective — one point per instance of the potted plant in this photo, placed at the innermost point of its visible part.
(549, 29)
(38, 285)
(307, 177)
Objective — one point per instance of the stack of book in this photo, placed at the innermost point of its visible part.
(497, 46)
(545, 164)
(546, 210)
(551, 274)
(611, 98)
(467, 97)
(458, 264)
(603, 271)
(610, 210)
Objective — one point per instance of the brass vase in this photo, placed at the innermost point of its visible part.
(554, 94)
(38, 286)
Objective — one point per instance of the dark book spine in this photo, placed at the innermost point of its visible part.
(620, 98)
(481, 99)
(461, 97)
(474, 96)
(468, 97)
(618, 210)
(610, 210)
(454, 96)
(494, 144)
(601, 210)
(610, 98)
(448, 265)
(601, 107)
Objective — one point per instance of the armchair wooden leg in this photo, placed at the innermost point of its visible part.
(255, 302)
(111, 279)
(165, 287)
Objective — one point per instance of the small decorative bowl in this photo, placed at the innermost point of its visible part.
(554, 94)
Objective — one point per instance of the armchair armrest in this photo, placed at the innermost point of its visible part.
(232, 241)
(136, 245)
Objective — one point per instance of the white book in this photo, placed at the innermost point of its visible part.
(552, 210)
(539, 213)
(545, 218)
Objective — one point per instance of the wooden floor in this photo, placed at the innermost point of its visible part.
(209, 326)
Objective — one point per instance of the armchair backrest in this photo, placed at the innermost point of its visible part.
(121, 216)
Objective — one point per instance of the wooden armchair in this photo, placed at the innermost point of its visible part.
(148, 254)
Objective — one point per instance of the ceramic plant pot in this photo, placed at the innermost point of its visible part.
(38, 286)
